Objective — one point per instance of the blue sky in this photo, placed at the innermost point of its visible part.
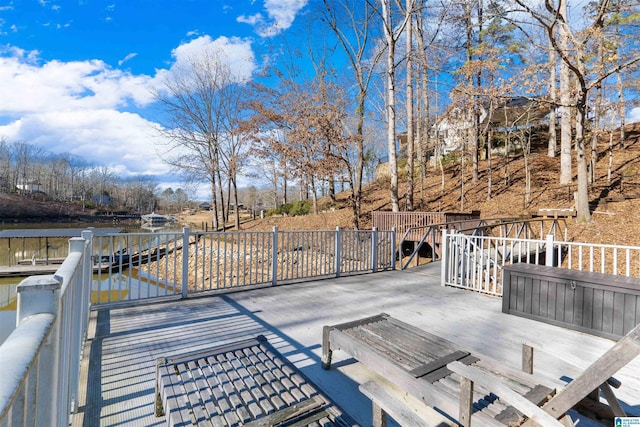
(77, 76)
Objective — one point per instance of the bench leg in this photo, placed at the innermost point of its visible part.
(466, 401)
(379, 416)
(326, 348)
(159, 409)
(527, 359)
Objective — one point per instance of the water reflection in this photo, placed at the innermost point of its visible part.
(129, 284)
(125, 285)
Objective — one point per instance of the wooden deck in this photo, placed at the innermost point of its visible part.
(118, 376)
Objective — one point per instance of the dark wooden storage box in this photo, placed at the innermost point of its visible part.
(596, 303)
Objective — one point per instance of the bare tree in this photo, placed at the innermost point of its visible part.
(392, 32)
(351, 20)
(576, 61)
(201, 101)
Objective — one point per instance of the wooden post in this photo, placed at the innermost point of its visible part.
(379, 416)
(466, 401)
(326, 348)
(527, 359)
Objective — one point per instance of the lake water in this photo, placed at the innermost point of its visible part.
(58, 248)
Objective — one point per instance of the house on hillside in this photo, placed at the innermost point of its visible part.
(27, 187)
(450, 132)
(516, 113)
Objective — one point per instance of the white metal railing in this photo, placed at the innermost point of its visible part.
(427, 238)
(44, 351)
(475, 262)
(137, 266)
(40, 360)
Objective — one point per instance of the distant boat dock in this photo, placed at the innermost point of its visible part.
(46, 264)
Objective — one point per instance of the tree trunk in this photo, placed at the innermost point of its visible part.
(621, 108)
(582, 199)
(214, 202)
(566, 172)
(314, 195)
(597, 113)
(391, 108)
(236, 216)
(410, 119)
(489, 164)
(553, 143)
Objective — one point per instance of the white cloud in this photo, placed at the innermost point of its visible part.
(124, 142)
(634, 115)
(126, 58)
(78, 106)
(252, 19)
(280, 16)
(26, 86)
(235, 52)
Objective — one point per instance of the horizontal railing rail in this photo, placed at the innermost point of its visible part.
(476, 262)
(139, 266)
(41, 358)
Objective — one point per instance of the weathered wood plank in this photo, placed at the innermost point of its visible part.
(624, 351)
(385, 402)
(397, 374)
(528, 408)
(427, 368)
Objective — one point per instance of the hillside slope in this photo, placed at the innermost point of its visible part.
(615, 201)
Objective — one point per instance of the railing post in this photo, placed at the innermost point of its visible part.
(393, 248)
(548, 257)
(337, 251)
(274, 258)
(374, 249)
(87, 280)
(444, 259)
(36, 295)
(71, 317)
(185, 261)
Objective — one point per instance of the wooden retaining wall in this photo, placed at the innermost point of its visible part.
(402, 221)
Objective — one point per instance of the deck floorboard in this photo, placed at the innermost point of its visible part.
(117, 379)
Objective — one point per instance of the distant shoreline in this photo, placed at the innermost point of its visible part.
(117, 219)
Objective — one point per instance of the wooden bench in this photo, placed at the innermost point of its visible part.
(416, 362)
(596, 303)
(463, 386)
(248, 383)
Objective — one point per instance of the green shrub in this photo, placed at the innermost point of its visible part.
(285, 209)
(298, 208)
(301, 207)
